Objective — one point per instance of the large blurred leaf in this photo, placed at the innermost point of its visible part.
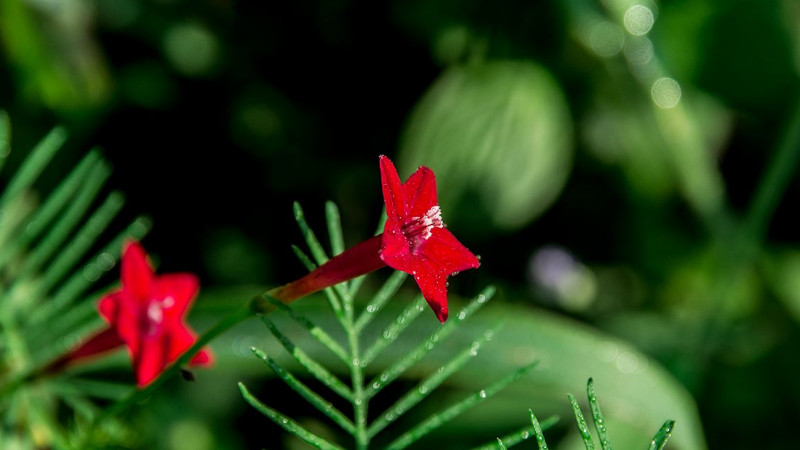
(53, 58)
(497, 132)
(638, 395)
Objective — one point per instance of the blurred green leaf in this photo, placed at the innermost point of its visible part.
(53, 58)
(496, 132)
(637, 393)
(783, 274)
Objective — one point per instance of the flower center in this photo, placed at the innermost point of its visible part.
(155, 314)
(418, 229)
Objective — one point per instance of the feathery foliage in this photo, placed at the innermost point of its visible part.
(359, 357)
(658, 441)
(54, 248)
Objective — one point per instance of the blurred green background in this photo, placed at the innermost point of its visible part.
(623, 167)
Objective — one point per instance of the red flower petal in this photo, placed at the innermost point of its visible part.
(108, 307)
(420, 192)
(447, 254)
(137, 275)
(433, 284)
(392, 191)
(149, 359)
(202, 358)
(176, 293)
(395, 250)
(183, 338)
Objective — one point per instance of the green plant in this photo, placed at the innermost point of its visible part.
(361, 389)
(53, 252)
(658, 441)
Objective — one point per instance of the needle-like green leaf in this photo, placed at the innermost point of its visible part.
(385, 293)
(427, 386)
(313, 367)
(662, 436)
(80, 280)
(537, 429)
(312, 397)
(39, 157)
(394, 329)
(323, 337)
(287, 423)
(334, 228)
(5, 137)
(411, 358)
(311, 239)
(333, 300)
(597, 416)
(438, 419)
(583, 429)
(55, 202)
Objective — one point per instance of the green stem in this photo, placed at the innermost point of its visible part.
(359, 399)
(741, 246)
(776, 180)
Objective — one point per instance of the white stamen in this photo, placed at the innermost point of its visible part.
(154, 313)
(419, 229)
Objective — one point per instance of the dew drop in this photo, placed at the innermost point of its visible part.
(105, 261)
(284, 421)
(384, 377)
(376, 385)
(389, 417)
(525, 435)
(482, 393)
(356, 362)
(357, 401)
(473, 351)
(462, 315)
(423, 390)
(481, 298)
(371, 308)
(91, 272)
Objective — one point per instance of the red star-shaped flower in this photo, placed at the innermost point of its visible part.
(147, 315)
(415, 239)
